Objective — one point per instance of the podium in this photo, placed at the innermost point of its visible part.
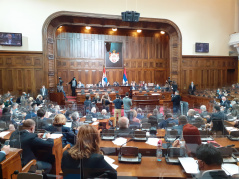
(57, 97)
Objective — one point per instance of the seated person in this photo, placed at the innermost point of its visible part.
(58, 127)
(225, 103)
(104, 113)
(209, 162)
(217, 114)
(167, 120)
(157, 87)
(15, 111)
(29, 143)
(7, 117)
(235, 110)
(4, 151)
(204, 113)
(75, 121)
(93, 112)
(192, 138)
(182, 120)
(140, 115)
(68, 115)
(87, 151)
(33, 112)
(191, 114)
(153, 120)
(124, 130)
(41, 122)
(39, 99)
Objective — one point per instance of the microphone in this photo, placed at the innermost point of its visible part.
(124, 144)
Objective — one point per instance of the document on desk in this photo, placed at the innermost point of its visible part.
(2, 134)
(110, 161)
(189, 164)
(95, 123)
(120, 141)
(231, 129)
(55, 136)
(230, 169)
(152, 141)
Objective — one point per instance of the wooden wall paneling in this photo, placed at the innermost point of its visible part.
(1, 81)
(29, 81)
(39, 79)
(19, 80)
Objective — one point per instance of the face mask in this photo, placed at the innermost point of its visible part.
(7, 100)
(11, 99)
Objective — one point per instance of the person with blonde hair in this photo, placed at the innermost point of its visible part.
(86, 153)
(59, 128)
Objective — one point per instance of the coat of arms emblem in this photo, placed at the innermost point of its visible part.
(114, 57)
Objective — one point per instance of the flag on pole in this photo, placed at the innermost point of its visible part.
(124, 76)
(104, 78)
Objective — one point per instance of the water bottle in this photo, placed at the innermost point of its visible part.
(159, 152)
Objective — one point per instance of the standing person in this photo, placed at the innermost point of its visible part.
(44, 92)
(73, 84)
(191, 88)
(60, 87)
(118, 104)
(106, 102)
(174, 86)
(127, 103)
(176, 102)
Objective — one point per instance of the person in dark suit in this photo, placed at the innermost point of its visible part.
(41, 122)
(39, 99)
(191, 88)
(73, 84)
(124, 130)
(168, 119)
(4, 151)
(209, 162)
(29, 142)
(225, 103)
(176, 102)
(58, 127)
(174, 86)
(44, 92)
(87, 160)
(217, 114)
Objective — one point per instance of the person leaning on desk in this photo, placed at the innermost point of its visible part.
(85, 158)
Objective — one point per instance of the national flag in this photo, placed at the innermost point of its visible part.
(104, 78)
(124, 76)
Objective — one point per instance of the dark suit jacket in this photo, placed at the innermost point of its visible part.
(2, 156)
(191, 90)
(176, 101)
(68, 135)
(92, 167)
(41, 123)
(46, 92)
(218, 115)
(71, 83)
(29, 143)
(225, 104)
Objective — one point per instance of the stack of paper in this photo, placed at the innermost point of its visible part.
(152, 141)
(230, 169)
(110, 161)
(120, 141)
(95, 123)
(2, 134)
(189, 164)
(55, 136)
(231, 129)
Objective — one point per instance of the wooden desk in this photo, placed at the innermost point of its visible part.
(149, 168)
(11, 163)
(6, 137)
(225, 141)
(57, 151)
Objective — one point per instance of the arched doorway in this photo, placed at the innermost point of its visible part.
(77, 20)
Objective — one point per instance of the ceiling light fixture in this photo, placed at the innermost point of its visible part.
(88, 27)
(162, 32)
(114, 29)
(139, 30)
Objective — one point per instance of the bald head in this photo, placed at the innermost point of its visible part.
(123, 122)
(224, 98)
